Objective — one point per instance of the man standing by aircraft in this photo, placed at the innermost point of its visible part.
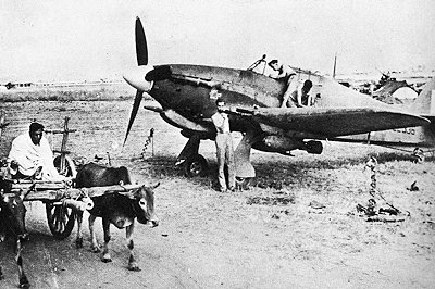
(224, 148)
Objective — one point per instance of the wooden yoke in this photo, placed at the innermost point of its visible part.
(58, 190)
(65, 132)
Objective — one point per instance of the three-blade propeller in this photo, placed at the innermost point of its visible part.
(142, 59)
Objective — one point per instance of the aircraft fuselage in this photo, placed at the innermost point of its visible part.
(191, 91)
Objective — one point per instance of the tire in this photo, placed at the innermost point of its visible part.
(243, 183)
(195, 166)
(417, 156)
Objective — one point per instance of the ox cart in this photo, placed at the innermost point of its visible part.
(60, 198)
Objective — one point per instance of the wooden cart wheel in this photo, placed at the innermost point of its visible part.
(60, 219)
(68, 165)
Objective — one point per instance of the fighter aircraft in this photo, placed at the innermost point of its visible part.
(187, 94)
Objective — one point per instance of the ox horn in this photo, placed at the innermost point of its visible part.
(155, 186)
(152, 186)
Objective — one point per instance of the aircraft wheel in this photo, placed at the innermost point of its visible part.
(195, 166)
(242, 183)
(417, 156)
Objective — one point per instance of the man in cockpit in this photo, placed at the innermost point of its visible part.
(286, 72)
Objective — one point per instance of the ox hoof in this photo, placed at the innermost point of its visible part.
(134, 268)
(24, 283)
(95, 249)
(79, 243)
(105, 258)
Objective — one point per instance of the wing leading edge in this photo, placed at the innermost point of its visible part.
(333, 122)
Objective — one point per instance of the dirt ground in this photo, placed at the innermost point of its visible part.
(209, 239)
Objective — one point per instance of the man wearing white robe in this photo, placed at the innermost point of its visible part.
(31, 155)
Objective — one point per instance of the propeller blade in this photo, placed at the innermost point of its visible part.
(141, 44)
(136, 104)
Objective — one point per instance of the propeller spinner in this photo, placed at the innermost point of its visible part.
(136, 77)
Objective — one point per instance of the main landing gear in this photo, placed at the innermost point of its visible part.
(195, 166)
(192, 163)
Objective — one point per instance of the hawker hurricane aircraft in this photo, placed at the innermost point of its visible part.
(187, 95)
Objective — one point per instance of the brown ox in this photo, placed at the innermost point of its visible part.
(114, 208)
(12, 216)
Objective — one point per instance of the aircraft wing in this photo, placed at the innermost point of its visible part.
(334, 122)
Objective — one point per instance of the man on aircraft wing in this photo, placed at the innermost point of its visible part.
(304, 98)
(291, 93)
(282, 70)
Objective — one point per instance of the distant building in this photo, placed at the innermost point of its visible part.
(102, 81)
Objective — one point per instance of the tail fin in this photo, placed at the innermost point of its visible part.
(424, 104)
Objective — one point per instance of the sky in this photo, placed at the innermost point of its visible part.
(74, 40)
